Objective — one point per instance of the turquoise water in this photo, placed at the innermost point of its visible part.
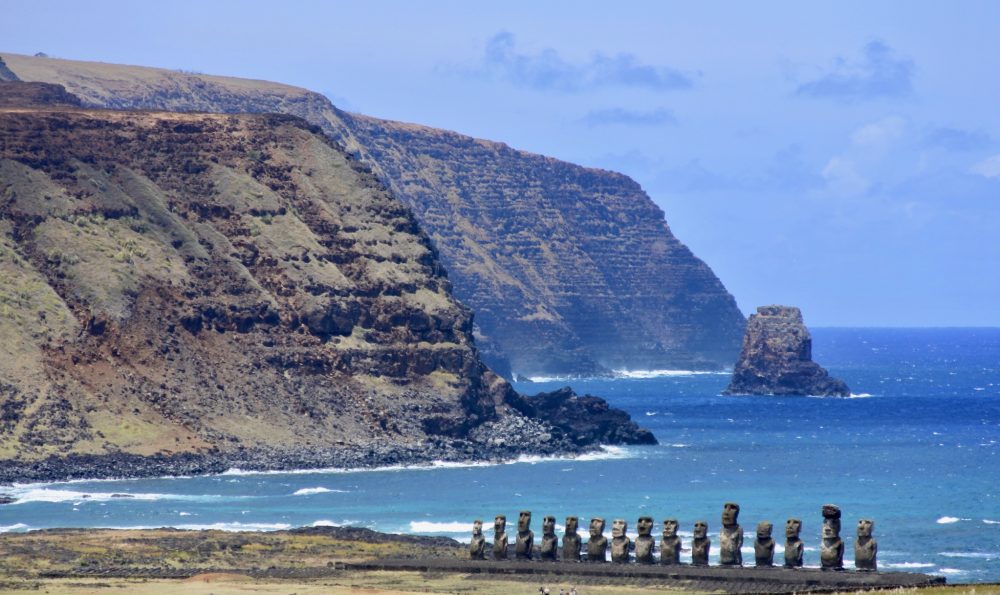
(916, 450)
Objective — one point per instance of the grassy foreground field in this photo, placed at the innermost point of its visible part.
(304, 562)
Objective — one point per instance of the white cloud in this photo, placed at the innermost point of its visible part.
(881, 134)
(988, 168)
(842, 176)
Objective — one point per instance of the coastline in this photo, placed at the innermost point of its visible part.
(119, 466)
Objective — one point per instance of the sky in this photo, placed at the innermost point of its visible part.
(843, 157)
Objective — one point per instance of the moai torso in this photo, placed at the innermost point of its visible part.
(670, 547)
(550, 543)
(620, 543)
(793, 544)
(866, 548)
(763, 546)
(597, 547)
(525, 538)
(477, 547)
(571, 540)
(644, 543)
(700, 545)
(731, 536)
(831, 549)
(500, 538)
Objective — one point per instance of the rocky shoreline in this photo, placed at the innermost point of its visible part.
(559, 423)
(132, 466)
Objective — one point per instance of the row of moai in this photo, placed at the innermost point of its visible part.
(731, 541)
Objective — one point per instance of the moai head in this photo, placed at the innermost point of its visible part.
(549, 525)
(571, 525)
(701, 530)
(865, 527)
(670, 528)
(500, 524)
(730, 514)
(764, 530)
(645, 526)
(831, 521)
(596, 527)
(477, 528)
(792, 528)
(524, 521)
(618, 528)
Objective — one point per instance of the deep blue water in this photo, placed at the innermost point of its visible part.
(917, 451)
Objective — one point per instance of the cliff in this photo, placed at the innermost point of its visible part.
(188, 292)
(569, 270)
(776, 358)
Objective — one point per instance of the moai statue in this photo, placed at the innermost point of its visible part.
(477, 549)
(793, 544)
(831, 550)
(670, 547)
(525, 538)
(731, 536)
(644, 543)
(550, 543)
(620, 543)
(763, 546)
(500, 538)
(701, 544)
(571, 540)
(597, 547)
(865, 548)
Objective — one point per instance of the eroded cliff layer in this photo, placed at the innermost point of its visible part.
(568, 269)
(180, 285)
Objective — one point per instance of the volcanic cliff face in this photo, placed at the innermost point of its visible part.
(568, 269)
(776, 358)
(176, 283)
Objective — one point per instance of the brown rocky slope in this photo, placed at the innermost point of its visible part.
(569, 270)
(211, 290)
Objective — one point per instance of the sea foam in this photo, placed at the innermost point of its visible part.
(317, 490)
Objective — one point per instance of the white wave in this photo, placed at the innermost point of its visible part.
(651, 413)
(236, 526)
(645, 374)
(905, 565)
(324, 523)
(433, 527)
(606, 452)
(680, 445)
(947, 520)
(317, 490)
(52, 495)
(14, 527)
(859, 396)
(978, 555)
(183, 514)
(989, 522)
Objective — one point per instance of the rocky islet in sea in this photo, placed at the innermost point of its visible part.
(776, 358)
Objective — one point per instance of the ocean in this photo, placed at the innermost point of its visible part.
(916, 449)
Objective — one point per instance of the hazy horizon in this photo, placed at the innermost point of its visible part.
(840, 157)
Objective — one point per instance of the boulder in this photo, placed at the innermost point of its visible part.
(776, 358)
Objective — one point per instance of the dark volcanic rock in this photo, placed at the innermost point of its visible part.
(584, 420)
(5, 73)
(777, 358)
(18, 94)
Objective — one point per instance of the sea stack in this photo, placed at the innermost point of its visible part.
(776, 358)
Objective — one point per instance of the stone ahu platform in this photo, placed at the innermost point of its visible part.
(695, 578)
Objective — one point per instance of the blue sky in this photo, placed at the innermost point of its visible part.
(843, 157)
